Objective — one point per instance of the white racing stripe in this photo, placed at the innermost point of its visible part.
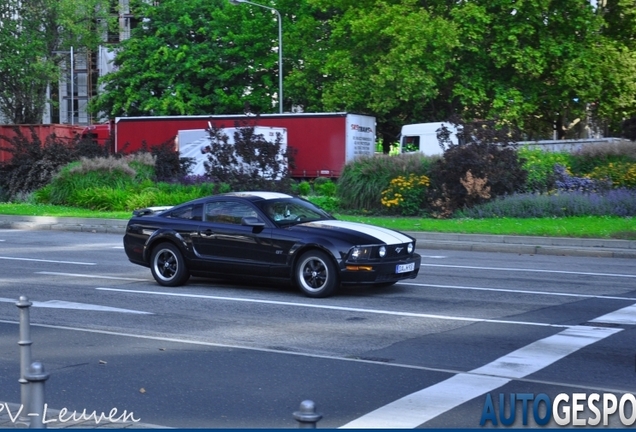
(417, 408)
(385, 235)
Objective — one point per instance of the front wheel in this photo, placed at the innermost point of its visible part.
(316, 275)
(167, 265)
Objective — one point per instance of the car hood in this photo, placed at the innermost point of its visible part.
(356, 233)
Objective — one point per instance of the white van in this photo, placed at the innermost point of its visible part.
(422, 137)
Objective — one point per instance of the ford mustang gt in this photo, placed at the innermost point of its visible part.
(266, 235)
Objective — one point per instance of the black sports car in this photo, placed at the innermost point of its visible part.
(267, 235)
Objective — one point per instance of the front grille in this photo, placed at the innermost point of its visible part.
(392, 251)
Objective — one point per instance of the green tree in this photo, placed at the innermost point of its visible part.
(195, 57)
(30, 34)
(540, 64)
(388, 59)
(535, 64)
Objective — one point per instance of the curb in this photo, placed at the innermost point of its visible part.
(531, 245)
(95, 225)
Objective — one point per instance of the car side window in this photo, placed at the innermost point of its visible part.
(190, 212)
(229, 212)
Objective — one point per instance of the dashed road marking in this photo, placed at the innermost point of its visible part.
(48, 261)
(62, 304)
(531, 270)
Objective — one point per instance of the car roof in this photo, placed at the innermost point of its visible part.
(258, 195)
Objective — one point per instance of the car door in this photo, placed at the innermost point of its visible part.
(229, 246)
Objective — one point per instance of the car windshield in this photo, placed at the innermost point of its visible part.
(286, 212)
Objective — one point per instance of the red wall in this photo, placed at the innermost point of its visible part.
(67, 132)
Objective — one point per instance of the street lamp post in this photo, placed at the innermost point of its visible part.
(280, 48)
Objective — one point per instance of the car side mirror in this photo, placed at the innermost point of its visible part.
(252, 221)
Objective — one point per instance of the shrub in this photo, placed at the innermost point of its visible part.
(565, 181)
(620, 174)
(615, 202)
(101, 198)
(324, 187)
(591, 156)
(250, 163)
(406, 194)
(362, 181)
(327, 203)
(481, 168)
(539, 166)
(86, 174)
(303, 188)
(168, 166)
(33, 163)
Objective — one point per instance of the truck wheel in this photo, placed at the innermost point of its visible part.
(316, 275)
(167, 265)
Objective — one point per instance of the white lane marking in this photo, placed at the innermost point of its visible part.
(91, 276)
(459, 287)
(338, 308)
(625, 316)
(49, 261)
(61, 304)
(434, 256)
(118, 247)
(530, 270)
(417, 408)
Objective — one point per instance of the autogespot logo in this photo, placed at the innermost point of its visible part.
(576, 409)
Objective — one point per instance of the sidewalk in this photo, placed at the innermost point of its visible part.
(606, 248)
(9, 419)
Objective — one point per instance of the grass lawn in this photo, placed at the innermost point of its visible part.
(588, 226)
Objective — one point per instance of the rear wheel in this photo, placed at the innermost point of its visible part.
(316, 274)
(168, 266)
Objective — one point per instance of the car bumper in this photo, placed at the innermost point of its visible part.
(382, 272)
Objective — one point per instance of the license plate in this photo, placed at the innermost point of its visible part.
(403, 268)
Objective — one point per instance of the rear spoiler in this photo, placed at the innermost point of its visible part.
(150, 210)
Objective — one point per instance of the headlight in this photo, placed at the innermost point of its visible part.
(359, 253)
(382, 251)
(409, 248)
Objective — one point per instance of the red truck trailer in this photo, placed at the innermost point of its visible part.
(62, 131)
(322, 143)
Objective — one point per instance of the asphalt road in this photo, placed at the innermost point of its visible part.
(424, 353)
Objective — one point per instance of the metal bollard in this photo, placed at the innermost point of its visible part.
(37, 377)
(307, 415)
(25, 353)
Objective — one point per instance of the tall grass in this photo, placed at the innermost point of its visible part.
(363, 180)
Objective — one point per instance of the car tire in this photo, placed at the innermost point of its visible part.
(316, 275)
(168, 266)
